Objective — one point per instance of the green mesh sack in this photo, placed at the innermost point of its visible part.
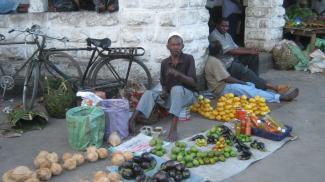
(86, 126)
(283, 57)
(58, 97)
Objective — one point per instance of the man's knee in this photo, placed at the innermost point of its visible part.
(177, 90)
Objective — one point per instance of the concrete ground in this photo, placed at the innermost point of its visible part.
(298, 161)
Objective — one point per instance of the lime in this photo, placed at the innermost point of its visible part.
(222, 158)
(173, 157)
(188, 158)
(159, 153)
(206, 161)
(233, 154)
(189, 165)
(196, 162)
(201, 161)
(179, 158)
(227, 155)
(212, 161)
(175, 150)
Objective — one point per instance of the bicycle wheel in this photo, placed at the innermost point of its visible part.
(60, 64)
(115, 73)
(31, 84)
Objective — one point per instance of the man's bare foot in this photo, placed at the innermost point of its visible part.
(282, 89)
(172, 136)
(290, 96)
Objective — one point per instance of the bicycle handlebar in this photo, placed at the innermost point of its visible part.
(35, 30)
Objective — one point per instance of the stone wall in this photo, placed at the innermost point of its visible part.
(144, 23)
(264, 23)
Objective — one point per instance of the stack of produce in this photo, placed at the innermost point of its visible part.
(157, 145)
(226, 107)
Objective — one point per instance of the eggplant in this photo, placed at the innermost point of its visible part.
(180, 167)
(140, 178)
(245, 155)
(145, 155)
(178, 177)
(186, 173)
(137, 170)
(137, 159)
(127, 173)
(151, 180)
(171, 164)
(172, 173)
(127, 164)
(197, 137)
(145, 165)
(161, 176)
(170, 179)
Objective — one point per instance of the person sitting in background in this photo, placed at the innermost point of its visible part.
(242, 63)
(319, 7)
(220, 82)
(178, 81)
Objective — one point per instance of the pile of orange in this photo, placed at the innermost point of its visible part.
(226, 107)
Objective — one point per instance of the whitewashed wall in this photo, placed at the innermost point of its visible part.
(264, 23)
(143, 23)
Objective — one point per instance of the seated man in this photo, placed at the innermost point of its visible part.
(237, 58)
(178, 81)
(220, 82)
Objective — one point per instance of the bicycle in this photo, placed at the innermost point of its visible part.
(35, 63)
(108, 67)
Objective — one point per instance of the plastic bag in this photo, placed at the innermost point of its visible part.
(85, 126)
(317, 64)
(117, 114)
(89, 98)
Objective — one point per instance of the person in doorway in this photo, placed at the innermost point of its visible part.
(220, 82)
(319, 7)
(231, 9)
(215, 11)
(242, 63)
(178, 81)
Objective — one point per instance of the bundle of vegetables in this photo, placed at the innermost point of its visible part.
(296, 11)
(58, 97)
(21, 119)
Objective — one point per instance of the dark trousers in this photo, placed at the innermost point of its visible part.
(233, 23)
(244, 72)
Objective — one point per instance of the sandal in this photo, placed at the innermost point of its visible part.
(282, 89)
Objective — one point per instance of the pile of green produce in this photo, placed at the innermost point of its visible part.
(157, 145)
(193, 157)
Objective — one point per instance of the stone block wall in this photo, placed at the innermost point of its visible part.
(264, 23)
(144, 23)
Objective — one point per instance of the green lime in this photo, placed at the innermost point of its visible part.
(227, 155)
(189, 165)
(179, 158)
(173, 157)
(175, 150)
(222, 158)
(196, 162)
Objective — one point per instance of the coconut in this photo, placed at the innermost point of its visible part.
(79, 158)
(56, 169)
(114, 177)
(44, 174)
(20, 173)
(92, 156)
(102, 153)
(70, 164)
(66, 156)
(53, 157)
(128, 156)
(117, 159)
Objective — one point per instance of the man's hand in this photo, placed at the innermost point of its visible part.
(253, 51)
(172, 71)
(163, 94)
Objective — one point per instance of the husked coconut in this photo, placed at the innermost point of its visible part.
(114, 177)
(32, 179)
(44, 174)
(92, 156)
(70, 164)
(6, 176)
(91, 149)
(42, 153)
(102, 153)
(53, 157)
(117, 159)
(102, 179)
(56, 169)
(99, 174)
(127, 155)
(66, 156)
(20, 173)
(79, 158)
(114, 139)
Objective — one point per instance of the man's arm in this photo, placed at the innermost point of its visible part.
(231, 79)
(187, 80)
(242, 51)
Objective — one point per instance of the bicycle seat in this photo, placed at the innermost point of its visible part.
(2, 37)
(102, 43)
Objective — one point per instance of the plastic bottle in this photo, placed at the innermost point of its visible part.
(248, 126)
(237, 129)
